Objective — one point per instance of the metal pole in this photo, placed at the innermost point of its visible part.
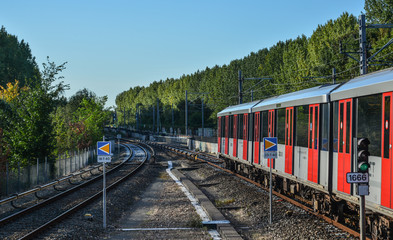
(137, 117)
(45, 168)
(362, 44)
(271, 194)
(186, 113)
(104, 196)
(7, 178)
(203, 118)
(153, 118)
(334, 75)
(38, 162)
(158, 116)
(103, 192)
(240, 87)
(252, 95)
(18, 176)
(362, 221)
(173, 121)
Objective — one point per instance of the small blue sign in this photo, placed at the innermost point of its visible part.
(270, 144)
(104, 148)
(270, 147)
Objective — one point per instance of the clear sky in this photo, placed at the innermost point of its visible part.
(113, 45)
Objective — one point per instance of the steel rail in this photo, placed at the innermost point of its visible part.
(56, 197)
(67, 213)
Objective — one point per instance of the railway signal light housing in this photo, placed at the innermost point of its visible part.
(363, 154)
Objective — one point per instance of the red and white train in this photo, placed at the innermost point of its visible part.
(316, 129)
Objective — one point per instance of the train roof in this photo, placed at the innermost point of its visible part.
(372, 83)
(319, 94)
(238, 109)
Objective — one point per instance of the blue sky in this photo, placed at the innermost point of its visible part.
(111, 46)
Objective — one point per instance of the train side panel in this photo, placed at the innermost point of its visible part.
(301, 162)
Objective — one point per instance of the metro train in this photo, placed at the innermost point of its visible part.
(317, 131)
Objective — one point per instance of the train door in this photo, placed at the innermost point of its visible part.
(226, 134)
(386, 151)
(219, 134)
(271, 133)
(257, 124)
(344, 144)
(235, 120)
(245, 136)
(313, 145)
(289, 140)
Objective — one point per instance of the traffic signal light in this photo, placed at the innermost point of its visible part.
(363, 154)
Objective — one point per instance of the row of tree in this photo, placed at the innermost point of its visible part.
(36, 120)
(289, 65)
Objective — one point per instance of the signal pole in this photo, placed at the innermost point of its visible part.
(363, 60)
(241, 79)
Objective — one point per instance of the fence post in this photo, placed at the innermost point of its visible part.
(46, 169)
(7, 178)
(38, 165)
(18, 176)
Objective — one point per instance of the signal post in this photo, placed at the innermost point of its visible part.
(361, 177)
(104, 155)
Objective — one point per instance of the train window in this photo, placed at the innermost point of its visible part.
(240, 127)
(325, 126)
(223, 126)
(281, 126)
(219, 127)
(250, 126)
(302, 125)
(369, 121)
(335, 126)
(265, 124)
(230, 127)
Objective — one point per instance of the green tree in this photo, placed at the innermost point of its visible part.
(16, 60)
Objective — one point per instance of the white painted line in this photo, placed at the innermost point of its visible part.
(216, 222)
(154, 229)
(201, 212)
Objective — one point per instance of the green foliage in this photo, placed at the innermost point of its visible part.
(36, 121)
(79, 124)
(16, 60)
(379, 11)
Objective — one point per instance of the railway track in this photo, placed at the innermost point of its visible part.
(30, 222)
(215, 162)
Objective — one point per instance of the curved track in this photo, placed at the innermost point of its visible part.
(30, 222)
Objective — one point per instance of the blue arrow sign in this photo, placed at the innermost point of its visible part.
(104, 148)
(270, 144)
(270, 147)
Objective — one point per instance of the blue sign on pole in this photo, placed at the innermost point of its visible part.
(104, 148)
(270, 147)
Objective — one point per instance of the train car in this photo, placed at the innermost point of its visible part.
(317, 131)
(299, 120)
(233, 132)
(362, 108)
